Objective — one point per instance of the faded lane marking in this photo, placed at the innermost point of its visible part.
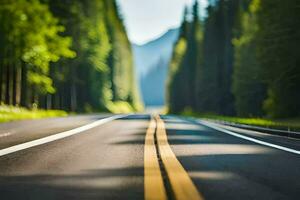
(5, 134)
(181, 183)
(57, 136)
(153, 181)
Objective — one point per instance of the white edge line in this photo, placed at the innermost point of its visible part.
(57, 136)
(213, 126)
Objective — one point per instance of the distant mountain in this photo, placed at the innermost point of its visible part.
(151, 62)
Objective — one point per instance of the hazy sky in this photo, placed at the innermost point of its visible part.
(147, 19)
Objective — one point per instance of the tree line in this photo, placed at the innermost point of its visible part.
(242, 59)
(71, 55)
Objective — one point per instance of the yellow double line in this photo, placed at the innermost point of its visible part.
(153, 181)
(181, 184)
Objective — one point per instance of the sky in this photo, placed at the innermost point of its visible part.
(148, 19)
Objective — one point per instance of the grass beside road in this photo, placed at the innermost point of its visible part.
(119, 107)
(283, 124)
(12, 113)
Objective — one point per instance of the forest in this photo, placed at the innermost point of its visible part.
(242, 60)
(72, 55)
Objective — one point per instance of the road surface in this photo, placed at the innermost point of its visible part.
(144, 157)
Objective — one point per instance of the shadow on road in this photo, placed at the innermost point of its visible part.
(226, 167)
(93, 184)
(136, 117)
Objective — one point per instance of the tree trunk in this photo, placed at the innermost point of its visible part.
(18, 87)
(7, 89)
(24, 90)
(33, 97)
(48, 101)
(14, 85)
(73, 97)
(1, 82)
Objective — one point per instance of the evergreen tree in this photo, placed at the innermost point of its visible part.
(175, 97)
(120, 59)
(38, 66)
(30, 42)
(218, 57)
(186, 57)
(278, 54)
(246, 63)
(248, 85)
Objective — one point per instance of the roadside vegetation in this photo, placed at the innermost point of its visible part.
(66, 55)
(12, 113)
(292, 124)
(120, 107)
(241, 60)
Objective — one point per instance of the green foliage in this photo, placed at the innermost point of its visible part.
(179, 50)
(247, 61)
(34, 36)
(218, 58)
(120, 107)
(278, 53)
(30, 42)
(203, 79)
(103, 71)
(184, 63)
(120, 60)
(71, 55)
(174, 97)
(12, 113)
(43, 83)
(248, 85)
(284, 124)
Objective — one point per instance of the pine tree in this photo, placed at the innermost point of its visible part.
(175, 89)
(54, 54)
(248, 85)
(184, 64)
(30, 42)
(278, 54)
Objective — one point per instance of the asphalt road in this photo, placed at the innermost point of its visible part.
(114, 160)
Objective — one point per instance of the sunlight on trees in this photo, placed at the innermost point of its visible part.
(65, 55)
(247, 61)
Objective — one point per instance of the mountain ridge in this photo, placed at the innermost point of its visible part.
(156, 38)
(151, 62)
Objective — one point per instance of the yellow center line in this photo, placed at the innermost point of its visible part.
(153, 181)
(181, 183)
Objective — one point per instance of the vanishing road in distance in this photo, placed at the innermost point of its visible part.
(144, 157)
